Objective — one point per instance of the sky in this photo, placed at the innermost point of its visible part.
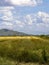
(29, 16)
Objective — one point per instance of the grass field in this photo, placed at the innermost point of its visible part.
(27, 49)
(19, 37)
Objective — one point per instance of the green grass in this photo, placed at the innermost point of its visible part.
(24, 50)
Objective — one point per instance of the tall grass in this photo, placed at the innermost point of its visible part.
(25, 50)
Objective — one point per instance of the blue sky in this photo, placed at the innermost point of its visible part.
(29, 16)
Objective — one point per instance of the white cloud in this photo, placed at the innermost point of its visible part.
(6, 13)
(46, 20)
(7, 8)
(19, 23)
(38, 22)
(7, 23)
(7, 16)
(44, 16)
(24, 22)
(30, 19)
(26, 2)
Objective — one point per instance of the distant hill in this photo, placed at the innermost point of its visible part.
(7, 32)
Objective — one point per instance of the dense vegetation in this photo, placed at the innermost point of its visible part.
(25, 50)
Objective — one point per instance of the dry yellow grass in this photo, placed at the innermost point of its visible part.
(19, 37)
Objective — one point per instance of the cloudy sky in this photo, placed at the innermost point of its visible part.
(29, 16)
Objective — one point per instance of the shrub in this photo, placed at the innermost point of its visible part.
(44, 57)
(26, 56)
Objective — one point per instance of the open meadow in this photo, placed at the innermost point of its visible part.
(24, 50)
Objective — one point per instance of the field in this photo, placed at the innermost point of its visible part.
(24, 50)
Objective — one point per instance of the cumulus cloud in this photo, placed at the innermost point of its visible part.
(19, 23)
(7, 23)
(6, 8)
(44, 16)
(26, 2)
(30, 19)
(20, 2)
(6, 17)
(6, 13)
(37, 22)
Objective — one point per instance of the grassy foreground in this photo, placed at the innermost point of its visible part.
(24, 50)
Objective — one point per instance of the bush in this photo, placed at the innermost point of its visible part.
(26, 56)
(44, 57)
